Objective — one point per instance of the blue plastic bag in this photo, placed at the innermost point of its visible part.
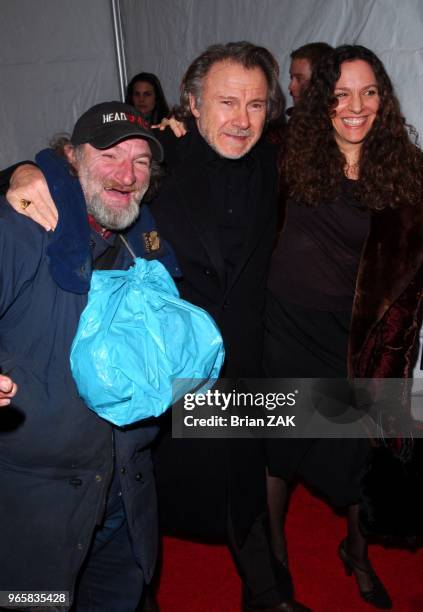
(139, 347)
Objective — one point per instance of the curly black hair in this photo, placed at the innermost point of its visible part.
(390, 163)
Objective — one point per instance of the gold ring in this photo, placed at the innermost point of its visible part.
(24, 203)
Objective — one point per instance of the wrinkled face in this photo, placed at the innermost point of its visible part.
(232, 108)
(300, 74)
(358, 103)
(113, 180)
(144, 97)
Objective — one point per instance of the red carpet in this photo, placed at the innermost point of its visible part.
(202, 578)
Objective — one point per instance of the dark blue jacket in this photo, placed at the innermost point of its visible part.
(56, 455)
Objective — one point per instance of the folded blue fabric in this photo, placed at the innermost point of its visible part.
(139, 347)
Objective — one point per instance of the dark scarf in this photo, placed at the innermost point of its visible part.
(68, 248)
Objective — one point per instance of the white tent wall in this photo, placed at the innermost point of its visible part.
(163, 36)
(57, 59)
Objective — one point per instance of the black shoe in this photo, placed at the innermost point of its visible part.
(283, 606)
(377, 596)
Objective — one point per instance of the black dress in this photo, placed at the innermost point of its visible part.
(311, 290)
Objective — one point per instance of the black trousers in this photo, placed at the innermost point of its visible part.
(264, 583)
(214, 490)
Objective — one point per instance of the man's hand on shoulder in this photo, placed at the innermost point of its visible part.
(7, 390)
(29, 195)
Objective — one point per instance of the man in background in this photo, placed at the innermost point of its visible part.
(303, 61)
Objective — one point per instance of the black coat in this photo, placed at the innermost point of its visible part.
(194, 476)
(191, 228)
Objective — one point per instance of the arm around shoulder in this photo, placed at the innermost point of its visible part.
(26, 190)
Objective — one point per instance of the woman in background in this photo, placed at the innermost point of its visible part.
(145, 92)
(345, 287)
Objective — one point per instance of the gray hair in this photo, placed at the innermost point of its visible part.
(247, 55)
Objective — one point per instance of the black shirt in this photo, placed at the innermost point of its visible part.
(316, 261)
(228, 195)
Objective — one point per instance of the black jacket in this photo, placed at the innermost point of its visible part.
(190, 227)
(197, 479)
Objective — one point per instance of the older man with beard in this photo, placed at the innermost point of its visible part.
(78, 507)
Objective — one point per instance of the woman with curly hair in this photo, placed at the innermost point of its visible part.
(145, 92)
(345, 286)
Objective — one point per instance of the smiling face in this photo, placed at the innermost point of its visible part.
(113, 180)
(231, 112)
(300, 75)
(358, 103)
(144, 97)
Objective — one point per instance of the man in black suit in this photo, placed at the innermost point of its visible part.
(218, 207)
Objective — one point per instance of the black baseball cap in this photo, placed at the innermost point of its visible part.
(106, 124)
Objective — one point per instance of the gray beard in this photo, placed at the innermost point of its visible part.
(113, 219)
(216, 150)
